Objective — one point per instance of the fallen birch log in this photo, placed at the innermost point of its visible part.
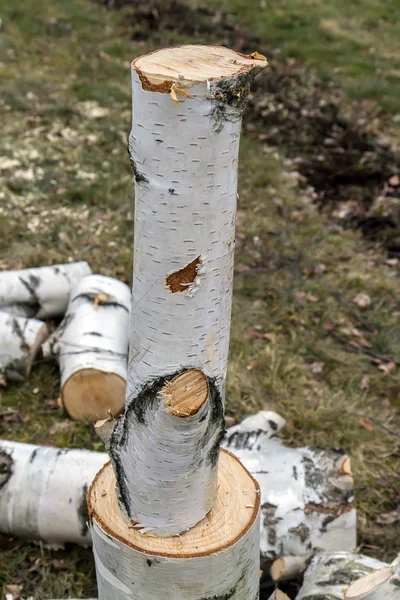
(20, 343)
(91, 345)
(328, 575)
(42, 292)
(287, 568)
(165, 449)
(306, 493)
(43, 492)
(378, 585)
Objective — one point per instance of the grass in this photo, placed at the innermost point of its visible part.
(298, 340)
(355, 44)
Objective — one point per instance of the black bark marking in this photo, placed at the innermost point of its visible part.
(295, 474)
(83, 514)
(96, 333)
(33, 455)
(139, 177)
(172, 191)
(149, 562)
(342, 577)
(302, 531)
(272, 424)
(31, 286)
(243, 440)
(6, 467)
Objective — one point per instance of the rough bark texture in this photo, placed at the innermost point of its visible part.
(43, 492)
(184, 150)
(21, 341)
(91, 344)
(306, 503)
(329, 574)
(41, 292)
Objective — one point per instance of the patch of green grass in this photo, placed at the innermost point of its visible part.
(355, 44)
(298, 340)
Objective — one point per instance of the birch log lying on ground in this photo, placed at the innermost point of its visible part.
(20, 343)
(43, 492)
(328, 575)
(306, 493)
(91, 344)
(42, 292)
(165, 450)
(381, 584)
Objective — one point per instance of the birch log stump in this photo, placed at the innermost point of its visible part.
(306, 493)
(187, 106)
(328, 575)
(91, 344)
(43, 492)
(41, 292)
(21, 341)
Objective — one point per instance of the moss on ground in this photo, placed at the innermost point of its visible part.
(300, 343)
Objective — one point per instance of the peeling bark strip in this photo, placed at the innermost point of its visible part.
(43, 490)
(306, 502)
(92, 345)
(21, 341)
(42, 292)
(173, 456)
(329, 574)
(216, 559)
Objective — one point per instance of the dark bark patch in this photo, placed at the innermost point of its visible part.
(178, 281)
(139, 177)
(33, 455)
(6, 466)
(302, 531)
(83, 514)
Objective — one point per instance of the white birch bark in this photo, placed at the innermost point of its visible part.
(328, 575)
(306, 501)
(216, 559)
(20, 342)
(381, 584)
(187, 108)
(91, 344)
(43, 492)
(41, 292)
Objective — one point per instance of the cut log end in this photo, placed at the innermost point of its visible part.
(193, 64)
(368, 583)
(186, 393)
(89, 395)
(234, 512)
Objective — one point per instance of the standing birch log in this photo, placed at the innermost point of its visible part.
(43, 492)
(187, 107)
(328, 575)
(20, 343)
(42, 292)
(91, 344)
(306, 493)
(167, 478)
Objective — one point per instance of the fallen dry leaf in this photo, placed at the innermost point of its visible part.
(254, 365)
(14, 590)
(312, 298)
(367, 424)
(254, 333)
(387, 368)
(364, 385)
(230, 421)
(364, 343)
(389, 518)
(270, 336)
(362, 300)
(394, 180)
(317, 367)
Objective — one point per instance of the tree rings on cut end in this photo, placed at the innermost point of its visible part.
(186, 393)
(90, 395)
(192, 63)
(368, 583)
(235, 511)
